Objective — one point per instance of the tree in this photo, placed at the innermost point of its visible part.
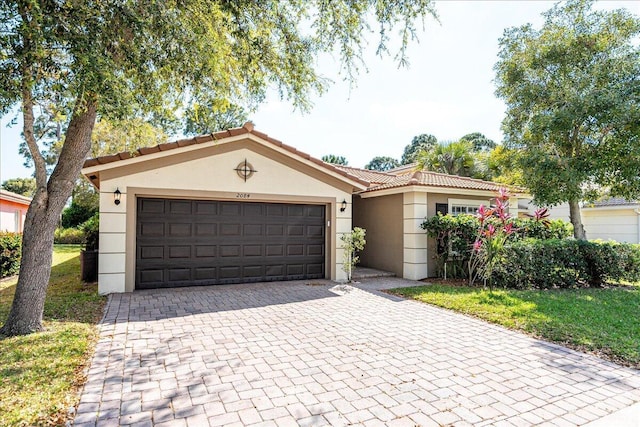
(201, 119)
(503, 165)
(382, 163)
(479, 141)
(419, 143)
(335, 160)
(455, 158)
(573, 104)
(85, 203)
(22, 186)
(67, 63)
(117, 136)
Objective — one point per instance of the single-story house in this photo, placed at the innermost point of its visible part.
(13, 210)
(608, 219)
(239, 206)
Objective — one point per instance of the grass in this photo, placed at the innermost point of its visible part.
(40, 374)
(600, 321)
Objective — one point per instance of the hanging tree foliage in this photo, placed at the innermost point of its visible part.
(65, 63)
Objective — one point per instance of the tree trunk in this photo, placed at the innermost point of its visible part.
(576, 219)
(41, 221)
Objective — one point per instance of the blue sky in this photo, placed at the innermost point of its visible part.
(447, 90)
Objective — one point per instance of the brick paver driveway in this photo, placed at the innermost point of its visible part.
(320, 354)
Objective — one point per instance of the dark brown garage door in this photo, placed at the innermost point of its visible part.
(203, 242)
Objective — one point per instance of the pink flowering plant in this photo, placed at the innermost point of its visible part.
(495, 229)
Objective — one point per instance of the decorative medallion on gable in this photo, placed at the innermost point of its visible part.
(245, 170)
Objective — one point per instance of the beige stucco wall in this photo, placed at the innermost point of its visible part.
(210, 175)
(382, 219)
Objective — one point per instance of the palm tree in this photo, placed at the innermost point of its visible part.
(455, 158)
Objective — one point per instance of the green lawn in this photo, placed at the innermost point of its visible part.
(602, 321)
(40, 373)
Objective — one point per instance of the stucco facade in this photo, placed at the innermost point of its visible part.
(393, 219)
(160, 189)
(208, 172)
(13, 211)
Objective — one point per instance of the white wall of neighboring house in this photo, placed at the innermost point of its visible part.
(620, 223)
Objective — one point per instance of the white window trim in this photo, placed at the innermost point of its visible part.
(466, 203)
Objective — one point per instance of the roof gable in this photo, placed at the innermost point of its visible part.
(92, 167)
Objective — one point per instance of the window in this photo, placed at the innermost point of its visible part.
(465, 206)
(463, 209)
(17, 221)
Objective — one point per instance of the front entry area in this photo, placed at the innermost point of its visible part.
(183, 242)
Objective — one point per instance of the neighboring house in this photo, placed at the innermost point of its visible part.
(13, 210)
(238, 206)
(610, 219)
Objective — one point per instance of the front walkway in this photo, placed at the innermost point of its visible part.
(318, 353)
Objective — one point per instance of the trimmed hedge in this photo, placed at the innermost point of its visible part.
(566, 263)
(68, 236)
(10, 253)
(455, 235)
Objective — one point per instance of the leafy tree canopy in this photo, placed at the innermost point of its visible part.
(572, 91)
(22, 186)
(455, 158)
(382, 163)
(335, 160)
(423, 142)
(504, 166)
(69, 62)
(479, 141)
(202, 119)
(117, 136)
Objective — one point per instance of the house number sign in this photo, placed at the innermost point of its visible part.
(245, 170)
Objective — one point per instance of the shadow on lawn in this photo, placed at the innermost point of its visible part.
(68, 298)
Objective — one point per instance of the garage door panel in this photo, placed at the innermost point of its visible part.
(196, 242)
(275, 229)
(230, 251)
(206, 229)
(151, 206)
(152, 252)
(230, 209)
(178, 274)
(151, 276)
(206, 208)
(252, 250)
(295, 210)
(295, 230)
(274, 250)
(151, 229)
(206, 273)
(179, 230)
(253, 230)
(180, 207)
(230, 229)
(206, 251)
(253, 209)
(179, 252)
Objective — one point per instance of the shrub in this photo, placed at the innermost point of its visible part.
(10, 253)
(76, 214)
(455, 236)
(91, 230)
(566, 263)
(68, 236)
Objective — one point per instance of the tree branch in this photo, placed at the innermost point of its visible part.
(29, 136)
